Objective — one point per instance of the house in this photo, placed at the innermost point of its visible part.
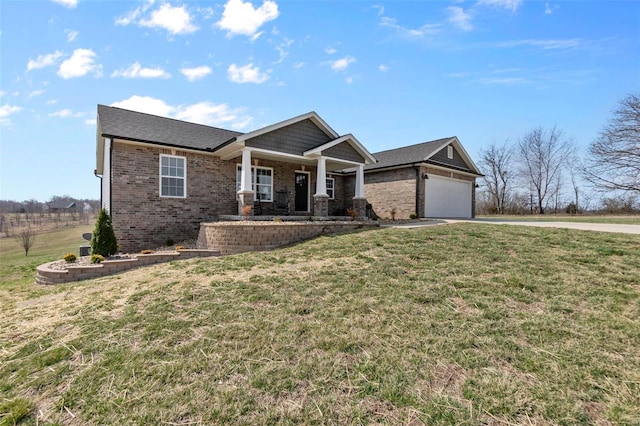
(61, 206)
(161, 178)
(435, 179)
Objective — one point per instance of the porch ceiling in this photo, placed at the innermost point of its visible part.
(312, 161)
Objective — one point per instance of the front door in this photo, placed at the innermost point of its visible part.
(302, 192)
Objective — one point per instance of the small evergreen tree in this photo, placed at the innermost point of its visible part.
(103, 240)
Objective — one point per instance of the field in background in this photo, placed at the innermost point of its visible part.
(41, 223)
(457, 324)
(618, 219)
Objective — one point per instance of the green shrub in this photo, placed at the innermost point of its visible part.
(169, 242)
(97, 258)
(103, 240)
(69, 257)
(413, 216)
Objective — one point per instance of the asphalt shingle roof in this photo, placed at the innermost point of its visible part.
(406, 155)
(138, 126)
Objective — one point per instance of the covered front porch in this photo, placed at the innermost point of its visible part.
(295, 168)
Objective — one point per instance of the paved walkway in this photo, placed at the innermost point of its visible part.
(600, 227)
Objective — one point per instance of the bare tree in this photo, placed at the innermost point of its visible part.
(496, 161)
(614, 157)
(542, 154)
(26, 237)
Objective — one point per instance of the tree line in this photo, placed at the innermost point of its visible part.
(543, 173)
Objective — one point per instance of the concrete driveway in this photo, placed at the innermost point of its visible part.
(600, 227)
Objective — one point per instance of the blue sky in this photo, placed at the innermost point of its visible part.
(392, 73)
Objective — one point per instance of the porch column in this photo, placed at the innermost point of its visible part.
(245, 195)
(359, 199)
(321, 198)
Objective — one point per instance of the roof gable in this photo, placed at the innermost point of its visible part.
(426, 152)
(294, 138)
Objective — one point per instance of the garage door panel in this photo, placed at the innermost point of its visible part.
(447, 197)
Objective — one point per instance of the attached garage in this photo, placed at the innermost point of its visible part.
(445, 197)
(430, 179)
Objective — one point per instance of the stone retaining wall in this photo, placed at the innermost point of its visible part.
(240, 237)
(46, 275)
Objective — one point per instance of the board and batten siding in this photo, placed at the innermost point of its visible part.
(293, 139)
(440, 157)
(344, 151)
(106, 176)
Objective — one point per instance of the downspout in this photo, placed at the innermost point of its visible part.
(95, 173)
(417, 169)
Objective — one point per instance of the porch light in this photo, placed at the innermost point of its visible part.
(425, 176)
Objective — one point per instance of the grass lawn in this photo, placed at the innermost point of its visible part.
(457, 324)
(623, 220)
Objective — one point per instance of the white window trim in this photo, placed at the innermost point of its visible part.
(254, 177)
(332, 196)
(184, 178)
(450, 152)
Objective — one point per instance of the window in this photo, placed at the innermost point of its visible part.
(261, 182)
(331, 188)
(450, 152)
(173, 174)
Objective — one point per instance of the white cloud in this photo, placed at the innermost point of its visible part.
(65, 113)
(342, 63)
(380, 9)
(196, 73)
(133, 15)
(214, 115)
(67, 3)
(35, 93)
(71, 35)
(299, 65)
(44, 60)
(549, 9)
(282, 50)
(511, 5)
(90, 122)
(246, 74)
(176, 20)
(206, 113)
(330, 50)
(52, 102)
(5, 111)
(81, 62)
(137, 71)
(242, 18)
(383, 68)
(425, 30)
(459, 18)
(550, 44)
(146, 104)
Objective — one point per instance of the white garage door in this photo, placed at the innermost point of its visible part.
(447, 197)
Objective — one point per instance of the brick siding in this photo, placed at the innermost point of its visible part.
(144, 220)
